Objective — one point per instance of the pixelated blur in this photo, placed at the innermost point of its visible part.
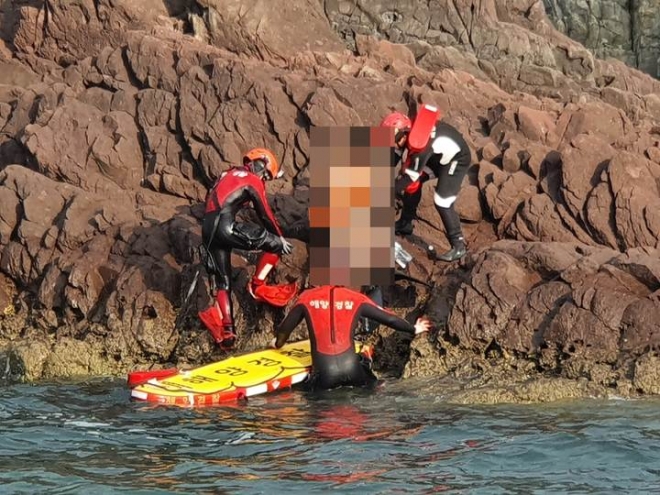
(351, 206)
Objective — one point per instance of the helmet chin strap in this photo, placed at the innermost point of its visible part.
(258, 167)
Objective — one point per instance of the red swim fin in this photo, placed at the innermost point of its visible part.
(277, 295)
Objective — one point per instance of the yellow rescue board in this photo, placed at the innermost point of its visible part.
(234, 378)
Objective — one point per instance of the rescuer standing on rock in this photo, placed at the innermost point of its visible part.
(429, 148)
(221, 233)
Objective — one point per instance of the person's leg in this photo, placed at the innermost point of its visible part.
(223, 296)
(211, 317)
(219, 314)
(411, 194)
(450, 180)
(256, 237)
(253, 237)
(368, 378)
(219, 317)
(265, 264)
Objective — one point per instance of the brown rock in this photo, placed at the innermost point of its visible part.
(7, 293)
(582, 164)
(538, 219)
(500, 120)
(490, 174)
(255, 27)
(640, 326)
(490, 152)
(653, 154)
(383, 50)
(514, 156)
(114, 124)
(576, 330)
(475, 320)
(516, 188)
(643, 264)
(536, 125)
(604, 120)
(634, 183)
(530, 320)
(468, 204)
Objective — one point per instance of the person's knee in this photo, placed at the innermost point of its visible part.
(444, 201)
(271, 244)
(250, 235)
(259, 238)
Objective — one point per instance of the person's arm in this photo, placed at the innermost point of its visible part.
(257, 193)
(387, 318)
(370, 310)
(290, 322)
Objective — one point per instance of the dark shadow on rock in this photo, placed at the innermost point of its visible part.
(598, 172)
(10, 14)
(166, 255)
(291, 211)
(550, 174)
(176, 8)
(11, 152)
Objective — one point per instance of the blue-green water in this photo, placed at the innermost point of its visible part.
(89, 438)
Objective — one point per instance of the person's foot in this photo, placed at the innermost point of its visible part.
(457, 252)
(228, 338)
(213, 322)
(403, 227)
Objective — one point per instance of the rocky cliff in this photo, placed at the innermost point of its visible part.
(115, 118)
(623, 29)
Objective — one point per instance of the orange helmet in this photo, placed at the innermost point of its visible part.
(263, 163)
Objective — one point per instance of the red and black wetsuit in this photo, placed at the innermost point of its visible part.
(229, 195)
(332, 314)
(221, 233)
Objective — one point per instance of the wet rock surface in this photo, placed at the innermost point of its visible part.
(121, 117)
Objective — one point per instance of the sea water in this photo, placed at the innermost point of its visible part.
(404, 437)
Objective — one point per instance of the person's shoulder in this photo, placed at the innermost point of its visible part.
(442, 126)
(248, 178)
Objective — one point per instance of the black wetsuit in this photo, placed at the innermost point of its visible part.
(447, 157)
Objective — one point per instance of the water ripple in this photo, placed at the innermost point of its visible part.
(89, 438)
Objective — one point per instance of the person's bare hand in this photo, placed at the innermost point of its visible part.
(422, 325)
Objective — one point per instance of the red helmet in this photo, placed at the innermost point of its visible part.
(397, 120)
(263, 163)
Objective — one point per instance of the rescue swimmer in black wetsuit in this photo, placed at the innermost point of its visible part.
(446, 157)
(332, 314)
(221, 233)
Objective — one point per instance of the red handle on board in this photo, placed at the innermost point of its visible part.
(136, 378)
